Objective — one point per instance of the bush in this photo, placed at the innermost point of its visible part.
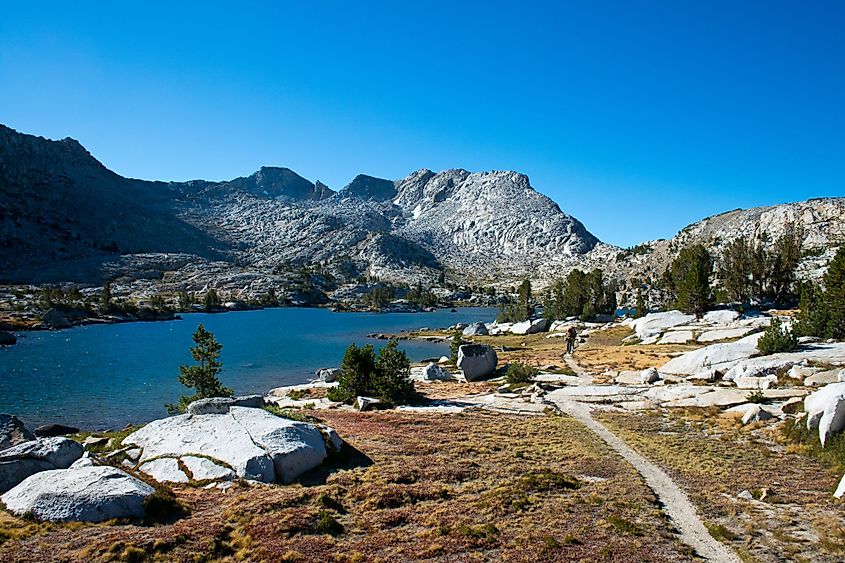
(519, 372)
(454, 345)
(777, 339)
(386, 378)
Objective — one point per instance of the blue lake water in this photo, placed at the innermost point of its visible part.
(105, 376)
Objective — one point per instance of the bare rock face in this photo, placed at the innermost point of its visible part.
(79, 494)
(477, 361)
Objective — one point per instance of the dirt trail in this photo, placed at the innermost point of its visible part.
(675, 502)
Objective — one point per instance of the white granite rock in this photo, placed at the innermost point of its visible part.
(83, 494)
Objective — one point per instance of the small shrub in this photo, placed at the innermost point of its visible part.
(519, 372)
(777, 339)
(326, 524)
(454, 345)
(719, 532)
(162, 505)
(756, 397)
(624, 526)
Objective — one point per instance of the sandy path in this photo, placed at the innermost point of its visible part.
(675, 502)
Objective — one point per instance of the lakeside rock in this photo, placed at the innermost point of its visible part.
(530, 326)
(477, 361)
(221, 405)
(475, 329)
(7, 338)
(31, 457)
(327, 375)
(12, 432)
(79, 494)
(53, 430)
(252, 442)
(55, 319)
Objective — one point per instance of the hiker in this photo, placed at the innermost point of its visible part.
(570, 339)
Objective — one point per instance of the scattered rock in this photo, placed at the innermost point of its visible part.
(12, 431)
(221, 405)
(745, 495)
(27, 458)
(55, 319)
(430, 372)
(444, 360)
(365, 403)
(476, 329)
(793, 405)
(254, 443)
(822, 378)
(755, 413)
(95, 442)
(328, 375)
(80, 494)
(649, 375)
(530, 326)
(53, 430)
(477, 361)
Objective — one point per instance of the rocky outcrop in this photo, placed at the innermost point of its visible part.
(475, 329)
(253, 443)
(28, 458)
(79, 494)
(55, 319)
(476, 361)
(12, 432)
(327, 375)
(530, 326)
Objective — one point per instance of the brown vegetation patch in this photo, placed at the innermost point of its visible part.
(461, 487)
(604, 350)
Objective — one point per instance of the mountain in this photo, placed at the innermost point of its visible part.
(821, 220)
(65, 217)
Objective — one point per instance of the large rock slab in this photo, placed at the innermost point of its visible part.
(327, 375)
(53, 430)
(28, 458)
(722, 334)
(477, 361)
(254, 443)
(676, 337)
(12, 431)
(80, 494)
(721, 317)
(716, 356)
(655, 323)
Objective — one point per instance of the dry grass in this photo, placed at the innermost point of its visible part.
(438, 487)
(714, 458)
(604, 350)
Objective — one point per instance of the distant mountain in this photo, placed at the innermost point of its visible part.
(65, 217)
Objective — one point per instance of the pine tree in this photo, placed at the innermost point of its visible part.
(202, 377)
(105, 296)
(211, 299)
(834, 296)
(642, 308)
(689, 278)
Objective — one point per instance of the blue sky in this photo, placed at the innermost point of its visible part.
(636, 117)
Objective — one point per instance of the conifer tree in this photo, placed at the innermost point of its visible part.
(202, 377)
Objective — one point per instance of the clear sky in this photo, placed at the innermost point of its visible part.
(636, 117)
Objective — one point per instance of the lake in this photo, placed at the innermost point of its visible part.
(105, 376)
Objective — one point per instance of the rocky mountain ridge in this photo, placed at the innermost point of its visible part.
(64, 217)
